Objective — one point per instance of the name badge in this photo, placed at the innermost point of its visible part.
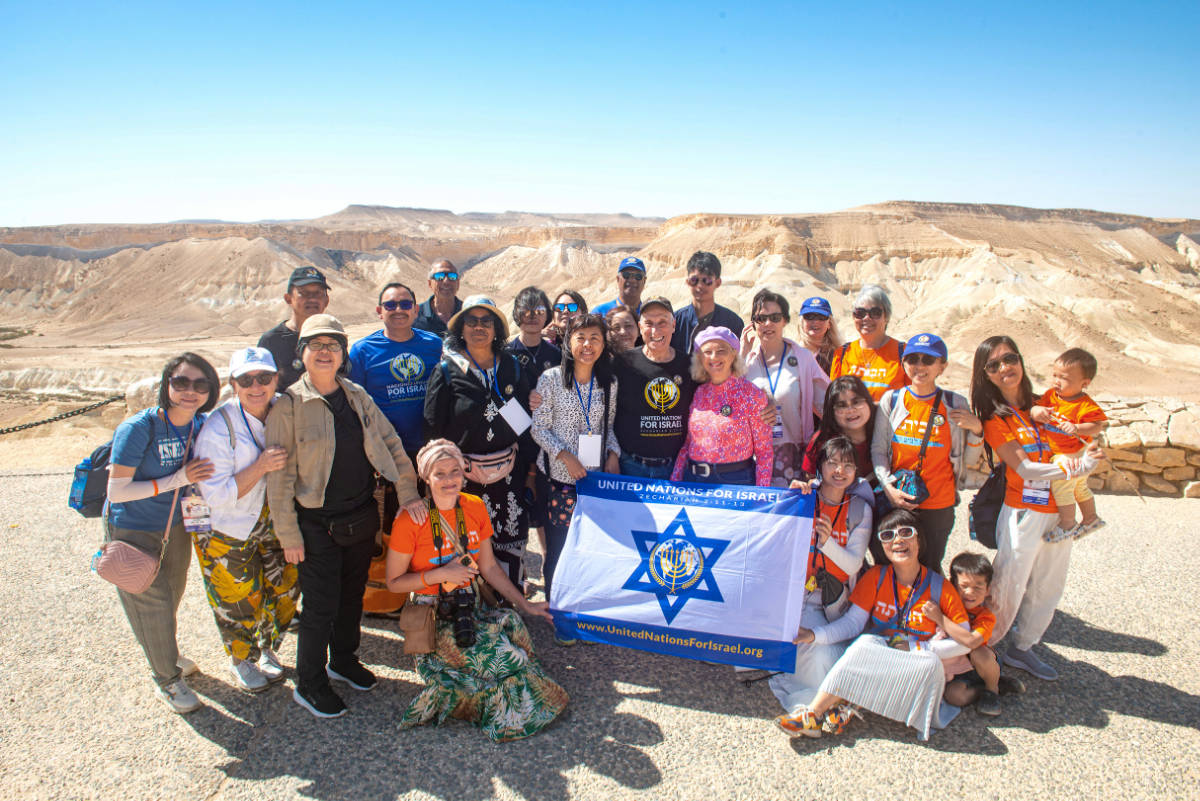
(1036, 493)
(589, 450)
(196, 516)
(516, 416)
(777, 429)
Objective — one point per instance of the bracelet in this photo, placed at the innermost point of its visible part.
(155, 483)
(424, 584)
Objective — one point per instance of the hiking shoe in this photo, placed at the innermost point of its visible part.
(269, 665)
(1059, 534)
(353, 674)
(1030, 663)
(179, 697)
(1083, 529)
(838, 718)
(323, 702)
(802, 724)
(1011, 686)
(564, 642)
(186, 666)
(247, 677)
(988, 704)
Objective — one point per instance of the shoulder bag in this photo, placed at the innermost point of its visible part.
(985, 506)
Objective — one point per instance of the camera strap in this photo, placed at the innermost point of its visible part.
(435, 526)
(937, 398)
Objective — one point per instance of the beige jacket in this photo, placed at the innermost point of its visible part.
(302, 423)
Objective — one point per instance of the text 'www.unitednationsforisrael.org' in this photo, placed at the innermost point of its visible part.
(667, 639)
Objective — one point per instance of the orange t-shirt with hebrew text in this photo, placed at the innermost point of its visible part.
(937, 470)
(837, 516)
(1080, 410)
(408, 537)
(877, 598)
(879, 369)
(982, 621)
(1020, 429)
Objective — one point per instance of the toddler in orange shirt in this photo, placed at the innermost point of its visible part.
(1071, 419)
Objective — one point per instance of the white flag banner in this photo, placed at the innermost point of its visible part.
(704, 571)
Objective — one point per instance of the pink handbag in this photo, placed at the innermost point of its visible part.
(129, 567)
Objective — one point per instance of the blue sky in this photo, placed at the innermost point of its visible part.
(152, 112)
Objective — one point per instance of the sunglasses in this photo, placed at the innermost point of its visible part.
(250, 379)
(1007, 360)
(875, 313)
(773, 317)
(920, 358)
(527, 313)
(312, 294)
(813, 317)
(479, 320)
(567, 307)
(444, 276)
(392, 305)
(633, 276)
(181, 383)
(901, 533)
(332, 347)
(695, 280)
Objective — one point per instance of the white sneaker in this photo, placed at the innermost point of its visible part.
(179, 697)
(269, 666)
(247, 677)
(186, 666)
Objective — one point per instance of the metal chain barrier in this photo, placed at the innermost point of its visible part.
(63, 416)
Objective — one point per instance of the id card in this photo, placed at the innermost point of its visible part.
(589, 450)
(777, 429)
(196, 517)
(516, 416)
(1036, 493)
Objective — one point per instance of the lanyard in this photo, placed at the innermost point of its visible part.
(586, 417)
(494, 383)
(182, 439)
(915, 592)
(778, 370)
(1036, 433)
(812, 546)
(250, 430)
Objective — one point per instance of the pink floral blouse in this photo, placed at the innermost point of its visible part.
(725, 425)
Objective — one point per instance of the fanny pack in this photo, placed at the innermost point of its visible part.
(489, 468)
(351, 528)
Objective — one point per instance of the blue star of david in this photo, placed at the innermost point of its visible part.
(705, 588)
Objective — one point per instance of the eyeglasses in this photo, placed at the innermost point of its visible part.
(707, 280)
(392, 305)
(841, 406)
(632, 276)
(875, 313)
(1007, 360)
(444, 276)
(567, 307)
(318, 346)
(834, 464)
(773, 317)
(901, 533)
(921, 358)
(248, 380)
(181, 383)
(813, 317)
(479, 320)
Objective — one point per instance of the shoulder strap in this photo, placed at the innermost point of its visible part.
(937, 398)
(228, 428)
(900, 347)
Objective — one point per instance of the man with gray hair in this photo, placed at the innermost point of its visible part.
(435, 313)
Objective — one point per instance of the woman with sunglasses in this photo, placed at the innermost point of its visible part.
(1031, 573)
(925, 429)
(874, 356)
(478, 398)
(818, 331)
(790, 376)
(251, 587)
(151, 462)
(568, 306)
(894, 666)
(324, 510)
(841, 529)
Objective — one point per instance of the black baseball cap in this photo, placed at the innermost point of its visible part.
(302, 276)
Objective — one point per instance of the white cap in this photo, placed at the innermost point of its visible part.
(248, 360)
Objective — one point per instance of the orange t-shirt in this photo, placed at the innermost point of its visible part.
(837, 515)
(1081, 410)
(937, 471)
(408, 537)
(1028, 435)
(982, 621)
(877, 598)
(879, 369)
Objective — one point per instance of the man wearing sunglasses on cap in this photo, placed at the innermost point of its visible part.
(393, 364)
(631, 278)
(435, 313)
(307, 294)
(703, 278)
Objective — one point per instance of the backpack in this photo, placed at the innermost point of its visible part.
(985, 506)
(89, 487)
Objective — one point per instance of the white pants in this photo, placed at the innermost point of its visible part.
(813, 661)
(1030, 575)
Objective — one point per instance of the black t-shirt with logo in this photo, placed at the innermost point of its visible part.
(652, 403)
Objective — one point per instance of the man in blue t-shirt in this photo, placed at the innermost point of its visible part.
(631, 278)
(394, 364)
(703, 278)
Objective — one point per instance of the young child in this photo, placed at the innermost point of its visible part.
(1071, 419)
(981, 684)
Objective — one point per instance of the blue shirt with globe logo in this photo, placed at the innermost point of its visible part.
(395, 375)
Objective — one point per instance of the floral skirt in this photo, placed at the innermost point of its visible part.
(497, 684)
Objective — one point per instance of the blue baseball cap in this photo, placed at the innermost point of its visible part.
(930, 344)
(816, 306)
(631, 263)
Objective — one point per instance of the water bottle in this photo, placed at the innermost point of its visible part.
(79, 483)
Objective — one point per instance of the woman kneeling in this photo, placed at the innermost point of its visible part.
(482, 668)
(894, 668)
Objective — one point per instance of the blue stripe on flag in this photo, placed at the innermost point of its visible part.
(735, 497)
(741, 651)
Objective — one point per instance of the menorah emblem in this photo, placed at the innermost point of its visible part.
(661, 393)
(676, 564)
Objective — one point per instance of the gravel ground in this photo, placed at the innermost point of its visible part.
(78, 718)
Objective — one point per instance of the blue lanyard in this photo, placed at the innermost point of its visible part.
(250, 430)
(778, 370)
(1030, 425)
(182, 439)
(586, 417)
(495, 382)
(915, 593)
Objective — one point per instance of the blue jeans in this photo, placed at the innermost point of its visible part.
(638, 470)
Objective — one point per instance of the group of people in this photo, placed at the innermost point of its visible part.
(455, 437)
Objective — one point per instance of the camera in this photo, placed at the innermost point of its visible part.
(458, 606)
